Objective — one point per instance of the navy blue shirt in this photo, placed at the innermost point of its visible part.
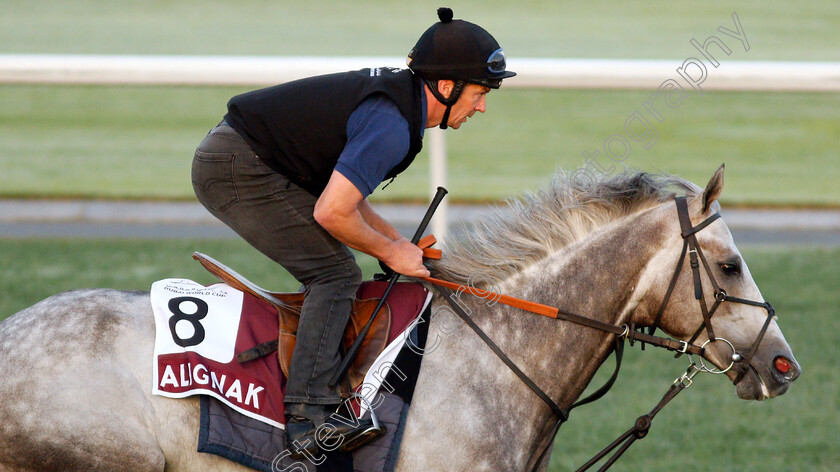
(378, 139)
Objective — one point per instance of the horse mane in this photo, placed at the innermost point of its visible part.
(534, 225)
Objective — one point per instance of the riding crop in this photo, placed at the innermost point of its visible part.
(354, 349)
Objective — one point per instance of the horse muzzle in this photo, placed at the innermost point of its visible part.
(765, 379)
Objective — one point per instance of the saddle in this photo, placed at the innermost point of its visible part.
(288, 307)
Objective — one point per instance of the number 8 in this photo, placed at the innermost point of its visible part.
(178, 315)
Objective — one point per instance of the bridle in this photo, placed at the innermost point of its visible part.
(690, 245)
(631, 333)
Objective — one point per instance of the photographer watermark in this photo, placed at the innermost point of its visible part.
(502, 261)
(327, 435)
(670, 94)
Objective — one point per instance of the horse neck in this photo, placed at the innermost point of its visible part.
(595, 279)
(463, 381)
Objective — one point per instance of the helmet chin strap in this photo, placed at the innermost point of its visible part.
(453, 97)
(445, 120)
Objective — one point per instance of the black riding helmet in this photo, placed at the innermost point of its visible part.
(460, 51)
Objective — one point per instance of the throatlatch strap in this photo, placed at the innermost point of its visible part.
(688, 233)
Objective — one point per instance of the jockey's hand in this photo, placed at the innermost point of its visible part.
(407, 259)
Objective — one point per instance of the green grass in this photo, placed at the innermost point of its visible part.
(110, 142)
(655, 29)
(780, 149)
(42, 267)
(137, 142)
(705, 428)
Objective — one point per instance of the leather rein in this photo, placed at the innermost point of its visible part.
(622, 333)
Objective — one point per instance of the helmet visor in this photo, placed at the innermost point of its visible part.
(496, 62)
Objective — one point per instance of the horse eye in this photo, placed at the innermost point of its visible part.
(729, 268)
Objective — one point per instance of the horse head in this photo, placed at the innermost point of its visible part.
(738, 329)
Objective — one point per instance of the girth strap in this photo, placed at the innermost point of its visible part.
(258, 351)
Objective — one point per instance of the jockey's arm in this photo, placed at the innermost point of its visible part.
(378, 223)
(344, 213)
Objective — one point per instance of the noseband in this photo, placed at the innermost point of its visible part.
(643, 423)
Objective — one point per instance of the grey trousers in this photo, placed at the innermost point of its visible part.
(275, 216)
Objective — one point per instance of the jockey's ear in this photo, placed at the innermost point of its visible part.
(710, 194)
(445, 87)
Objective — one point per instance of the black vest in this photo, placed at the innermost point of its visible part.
(300, 128)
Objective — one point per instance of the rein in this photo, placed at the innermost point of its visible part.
(623, 332)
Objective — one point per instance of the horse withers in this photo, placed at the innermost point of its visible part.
(77, 367)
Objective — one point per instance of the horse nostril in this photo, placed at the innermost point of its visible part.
(782, 365)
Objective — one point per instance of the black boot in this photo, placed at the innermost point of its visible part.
(345, 433)
(300, 438)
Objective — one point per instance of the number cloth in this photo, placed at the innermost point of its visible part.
(198, 335)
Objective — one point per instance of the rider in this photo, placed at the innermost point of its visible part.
(290, 168)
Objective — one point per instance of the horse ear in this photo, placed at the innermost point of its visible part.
(713, 189)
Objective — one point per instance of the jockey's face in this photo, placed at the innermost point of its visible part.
(472, 99)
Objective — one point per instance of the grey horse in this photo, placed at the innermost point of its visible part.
(77, 367)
